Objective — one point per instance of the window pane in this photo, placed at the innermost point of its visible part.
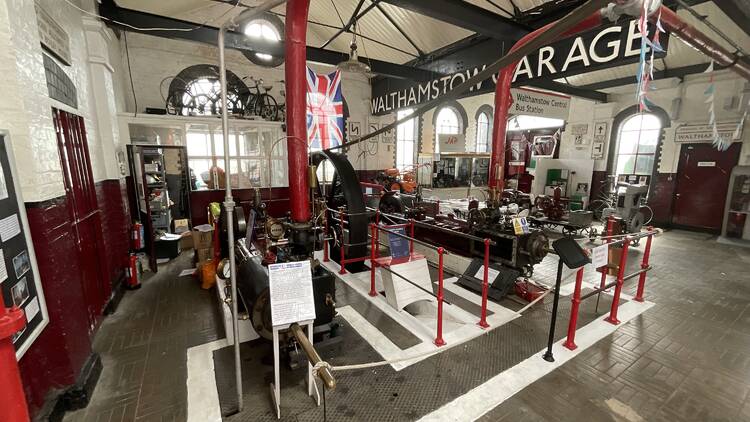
(649, 139)
(447, 121)
(628, 142)
(198, 144)
(219, 143)
(650, 122)
(250, 143)
(632, 124)
(279, 176)
(200, 171)
(626, 164)
(644, 164)
(250, 175)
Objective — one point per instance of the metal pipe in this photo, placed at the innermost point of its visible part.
(229, 208)
(373, 248)
(644, 267)
(312, 356)
(612, 318)
(296, 89)
(434, 227)
(439, 335)
(548, 356)
(614, 283)
(570, 342)
(485, 284)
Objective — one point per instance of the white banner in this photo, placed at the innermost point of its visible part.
(687, 134)
(535, 103)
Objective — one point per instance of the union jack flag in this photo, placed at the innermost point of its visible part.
(325, 110)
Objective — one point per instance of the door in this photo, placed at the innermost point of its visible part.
(702, 180)
(84, 212)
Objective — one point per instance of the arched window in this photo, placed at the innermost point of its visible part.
(483, 132)
(446, 123)
(196, 91)
(262, 29)
(636, 144)
(405, 137)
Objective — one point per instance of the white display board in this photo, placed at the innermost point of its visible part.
(291, 292)
(600, 255)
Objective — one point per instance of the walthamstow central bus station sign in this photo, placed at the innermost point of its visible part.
(602, 48)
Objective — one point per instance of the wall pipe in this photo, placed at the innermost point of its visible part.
(503, 100)
(296, 96)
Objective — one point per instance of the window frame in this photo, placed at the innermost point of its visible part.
(460, 124)
(401, 143)
(486, 141)
(638, 154)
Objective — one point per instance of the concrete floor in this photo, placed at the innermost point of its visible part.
(685, 359)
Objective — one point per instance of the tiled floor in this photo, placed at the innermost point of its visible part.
(685, 359)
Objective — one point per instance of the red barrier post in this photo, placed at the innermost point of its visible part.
(373, 248)
(12, 398)
(342, 217)
(644, 266)
(570, 341)
(610, 230)
(486, 284)
(411, 234)
(612, 318)
(377, 216)
(326, 243)
(439, 335)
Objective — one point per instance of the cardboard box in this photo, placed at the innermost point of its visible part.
(186, 241)
(203, 236)
(204, 254)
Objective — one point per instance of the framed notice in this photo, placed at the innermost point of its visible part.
(19, 274)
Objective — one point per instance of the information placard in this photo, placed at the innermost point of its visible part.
(600, 255)
(291, 292)
(399, 245)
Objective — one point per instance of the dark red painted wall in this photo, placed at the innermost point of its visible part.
(276, 198)
(55, 359)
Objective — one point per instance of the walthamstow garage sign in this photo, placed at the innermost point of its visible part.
(610, 46)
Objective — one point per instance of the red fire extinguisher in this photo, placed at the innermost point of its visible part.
(134, 272)
(137, 236)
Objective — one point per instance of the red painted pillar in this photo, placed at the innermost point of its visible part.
(296, 118)
(13, 406)
(373, 250)
(485, 284)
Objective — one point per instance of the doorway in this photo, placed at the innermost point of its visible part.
(702, 180)
(161, 183)
(85, 215)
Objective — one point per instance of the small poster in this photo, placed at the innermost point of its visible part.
(399, 245)
(600, 255)
(491, 274)
(20, 292)
(3, 269)
(597, 151)
(518, 152)
(3, 186)
(355, 129)
(291, 293)
(9, 227)
(21, 264)
(579, 129)
(600, 131)
(520, 226)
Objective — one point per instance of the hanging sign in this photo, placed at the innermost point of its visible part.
(613, 45)
(535, 103)
(19, 275)
(688, 134)
(452, 142)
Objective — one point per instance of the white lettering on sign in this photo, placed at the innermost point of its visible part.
(535, 103)
(688, 134)
(706, 163)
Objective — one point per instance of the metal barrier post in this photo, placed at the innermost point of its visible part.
(342, 217)
(377, 216)
(612, 318)
(644, 266)
(485, 285)
(411, 234)
(439, 335)
(373, 247)
(326, 244)
(610, 230)
(570, 342)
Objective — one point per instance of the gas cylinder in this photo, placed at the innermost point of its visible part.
(134, 272)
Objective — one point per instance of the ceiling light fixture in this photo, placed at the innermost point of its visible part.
(353, 65)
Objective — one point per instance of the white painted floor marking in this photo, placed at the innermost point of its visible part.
(203, 396)
(496, 390)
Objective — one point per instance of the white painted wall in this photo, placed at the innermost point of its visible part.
(25, 111)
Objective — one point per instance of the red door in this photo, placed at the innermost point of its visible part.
(702, 181)
(84, 211)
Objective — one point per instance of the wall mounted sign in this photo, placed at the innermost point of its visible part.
(579, 129)
(597, 151)
(688, 134)
(354, 129)
(544, 146)
(609, 46)
(19, 275)
(600, 131)
(452, 142)
(52, 36)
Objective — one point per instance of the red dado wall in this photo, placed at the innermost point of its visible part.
(55, 359)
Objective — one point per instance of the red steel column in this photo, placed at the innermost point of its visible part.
(644, 266)
(13, 406)
(570, 343)
(612, 318)
(296, 118)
